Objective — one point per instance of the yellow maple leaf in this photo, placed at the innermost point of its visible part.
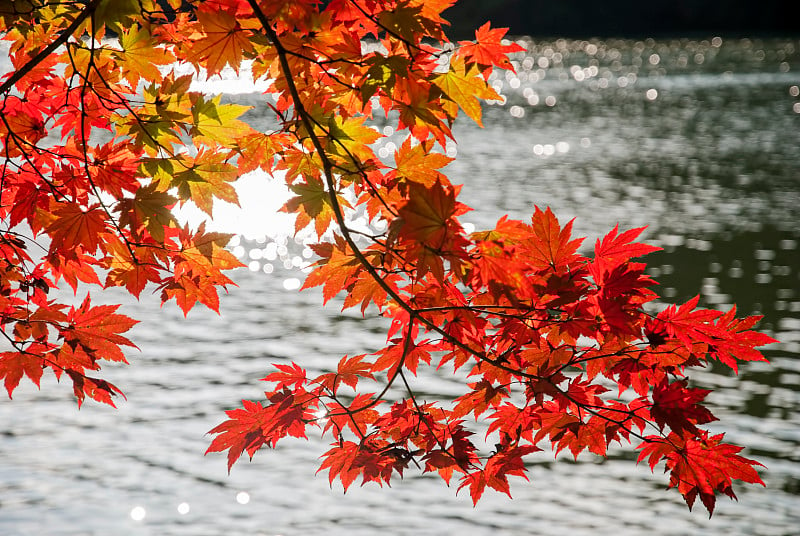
(351, 137)
(216, 123)
(465, 86)
(139, 57)
(312, 202)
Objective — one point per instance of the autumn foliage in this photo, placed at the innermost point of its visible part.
(557, 344)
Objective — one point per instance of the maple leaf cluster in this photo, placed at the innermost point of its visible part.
(101, 138)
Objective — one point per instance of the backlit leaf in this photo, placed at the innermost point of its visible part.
(221, 41)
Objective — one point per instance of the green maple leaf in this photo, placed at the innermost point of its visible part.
(204, 178)
(215, 123)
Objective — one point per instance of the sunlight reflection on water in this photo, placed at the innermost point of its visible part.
(696, 138)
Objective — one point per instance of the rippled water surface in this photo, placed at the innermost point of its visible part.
(697, 139)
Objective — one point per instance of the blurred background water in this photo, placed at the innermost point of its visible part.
(696, 138)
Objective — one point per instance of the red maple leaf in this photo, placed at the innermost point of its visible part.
(14, 364)
(241, 432)
(488, 48)
(615, 249)
(678, 406)
(75, 227)
(97, 330)
(550, 246)
(287, 376)
(700, 466)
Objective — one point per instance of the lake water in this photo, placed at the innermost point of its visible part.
(697, 139)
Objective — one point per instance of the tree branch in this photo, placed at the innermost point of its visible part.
(49, 49)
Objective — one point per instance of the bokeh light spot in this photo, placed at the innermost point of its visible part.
(291, 283)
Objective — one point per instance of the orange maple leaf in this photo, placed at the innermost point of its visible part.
(75, 227)
(418, 164)
(220, 41)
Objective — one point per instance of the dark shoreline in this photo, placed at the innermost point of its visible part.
(627, 18)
